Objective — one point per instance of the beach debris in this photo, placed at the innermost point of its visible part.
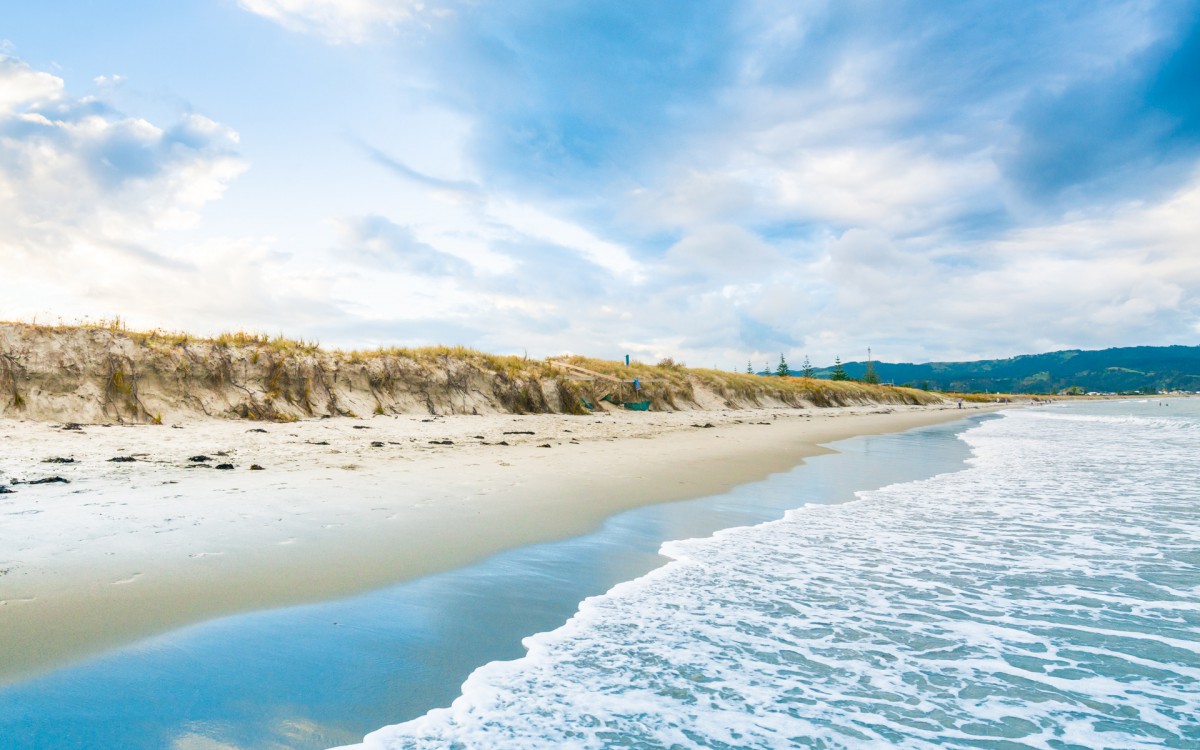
(199, 459)
(72, 426)
(256, 467)
(198, 466)
(359, 427)
(519, 432)
(51, 480)
(478, 437)
(318, 442)
(544, 445)
(47, 480)
(221, 453)
(502, 442)
(6, 491)
(441, 442)
(121, 460)
(426, 420)
(376, 444)
(705, 426)
(57, 460)
(225, 467)
(257, 429)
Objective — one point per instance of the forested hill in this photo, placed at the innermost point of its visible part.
(1136, 368)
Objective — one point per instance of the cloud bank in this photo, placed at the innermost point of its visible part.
(710, 181)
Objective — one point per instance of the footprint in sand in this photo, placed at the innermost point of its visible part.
(130, 579)
(287, 541)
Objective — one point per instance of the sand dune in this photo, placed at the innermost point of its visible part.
(96, 374)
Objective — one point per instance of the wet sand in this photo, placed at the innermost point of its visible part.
(126, 550)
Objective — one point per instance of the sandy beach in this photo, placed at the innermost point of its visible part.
(127, 549)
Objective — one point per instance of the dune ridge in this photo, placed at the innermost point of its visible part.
(106, 374)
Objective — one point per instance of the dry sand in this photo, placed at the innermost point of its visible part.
(130, 549)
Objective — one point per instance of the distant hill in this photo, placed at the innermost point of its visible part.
(1128, 369)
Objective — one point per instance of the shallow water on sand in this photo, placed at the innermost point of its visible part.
(1046, 596)
(326, 674)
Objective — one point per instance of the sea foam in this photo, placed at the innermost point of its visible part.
(1046, 596)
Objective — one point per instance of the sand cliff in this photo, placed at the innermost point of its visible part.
(109, 375)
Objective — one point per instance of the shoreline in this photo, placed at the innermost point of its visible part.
(131, 550)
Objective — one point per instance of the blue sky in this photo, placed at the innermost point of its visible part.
(710, 181)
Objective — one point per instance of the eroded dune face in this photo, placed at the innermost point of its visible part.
(97, 374)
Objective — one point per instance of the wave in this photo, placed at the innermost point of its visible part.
(1047, 595)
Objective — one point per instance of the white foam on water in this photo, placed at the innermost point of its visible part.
(1046, 596)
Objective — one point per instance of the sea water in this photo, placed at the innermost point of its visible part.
(1045, 596)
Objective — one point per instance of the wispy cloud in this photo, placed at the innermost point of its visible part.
(379, 242)
(341, 21)
(404, 171)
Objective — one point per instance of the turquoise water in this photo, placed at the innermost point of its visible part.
(1046, 596)
(327, 674)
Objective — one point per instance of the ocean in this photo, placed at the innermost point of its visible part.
(1028, 579)
(1045, 596)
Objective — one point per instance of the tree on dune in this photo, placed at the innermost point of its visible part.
(870, 376)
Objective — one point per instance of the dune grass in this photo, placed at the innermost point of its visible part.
(294, 367)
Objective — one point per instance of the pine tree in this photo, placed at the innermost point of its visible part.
(839, 372)
(808, 368)
(749, 369)
(870, 376)
(782, 370)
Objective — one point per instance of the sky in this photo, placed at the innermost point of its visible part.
(714, 181)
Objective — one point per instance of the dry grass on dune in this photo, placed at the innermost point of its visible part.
(752, 389)
(104, 372)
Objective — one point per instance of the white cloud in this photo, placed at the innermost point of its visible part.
(108, 81)
(337, 21)
(1115, 278)
(723, 252)
(691, 197)
(86, 194)
(21, 86)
